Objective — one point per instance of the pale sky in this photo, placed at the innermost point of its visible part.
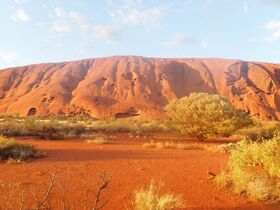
(36, 31)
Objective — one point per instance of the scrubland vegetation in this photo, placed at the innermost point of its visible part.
(45, 128)
(254, 162)
(56, 128)
(199, 115)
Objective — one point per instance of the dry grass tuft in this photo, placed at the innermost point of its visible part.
(173, 145)
(98, 139)
(226, 148)
(150, 199)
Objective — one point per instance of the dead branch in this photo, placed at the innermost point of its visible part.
(104, 182)
(47, 196)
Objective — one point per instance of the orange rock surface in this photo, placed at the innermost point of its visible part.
(126, 86)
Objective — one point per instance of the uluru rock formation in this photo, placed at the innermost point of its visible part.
(128, 86)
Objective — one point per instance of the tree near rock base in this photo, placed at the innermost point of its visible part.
(202, 115)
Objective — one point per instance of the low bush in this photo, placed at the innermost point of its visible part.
(261, 130)
(14, 128)
(56, 130)
(150, 199)
(10, 150)
(254, 170)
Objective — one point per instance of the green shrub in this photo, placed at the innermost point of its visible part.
(202, 115)
(19, 152)
(254, 170)
(150, 199)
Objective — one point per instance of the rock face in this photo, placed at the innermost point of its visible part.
(127, 86)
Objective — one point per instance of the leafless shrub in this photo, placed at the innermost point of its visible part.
(104, 182)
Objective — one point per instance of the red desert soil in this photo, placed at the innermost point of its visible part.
(131, 166)
(127, 86)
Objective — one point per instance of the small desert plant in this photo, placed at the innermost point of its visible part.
(173, 145)
(153, 144)
(10, 150)
(226, 148)
(202, 115)
(151, 199)
(33, 125)
(137, 134)
(254, 170)
(98, 139)
(183, 146)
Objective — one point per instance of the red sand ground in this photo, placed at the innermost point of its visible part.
(131, 166)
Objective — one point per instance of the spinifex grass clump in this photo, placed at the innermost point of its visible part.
(254, 170)
(10, 150)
